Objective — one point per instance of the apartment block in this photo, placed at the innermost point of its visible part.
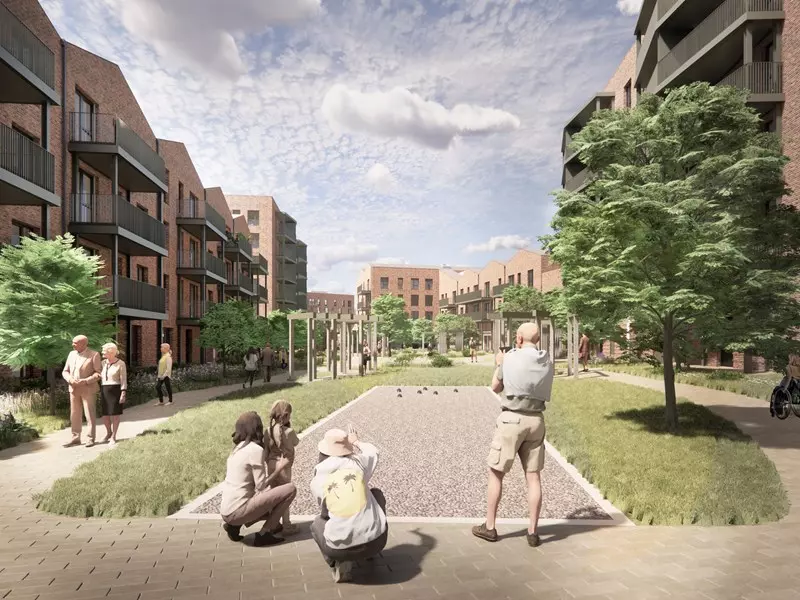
(418, 286)
(327, 302)
(77, 155)
(274, 234)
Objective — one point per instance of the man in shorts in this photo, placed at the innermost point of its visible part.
(525, 374)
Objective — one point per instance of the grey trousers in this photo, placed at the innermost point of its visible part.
(361, 552)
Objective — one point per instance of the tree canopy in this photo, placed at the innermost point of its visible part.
(422, 330)
(394, 322)
(450, 324)
(681, 229)
(521, 298)
(231, 327)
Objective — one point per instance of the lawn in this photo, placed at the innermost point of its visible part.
(156, 473)
(709, 474)
(755, 385)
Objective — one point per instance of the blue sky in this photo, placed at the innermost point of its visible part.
(407, 131)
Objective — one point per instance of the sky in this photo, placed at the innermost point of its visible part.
(395, 131)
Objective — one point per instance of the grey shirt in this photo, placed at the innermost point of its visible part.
(527, 376)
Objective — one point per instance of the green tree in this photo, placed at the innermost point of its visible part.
(49, 294)
(521, 298)
(230, 327)
(394, 322)
(277, 331)
(681, 229)
(452, 324)
(421, 330)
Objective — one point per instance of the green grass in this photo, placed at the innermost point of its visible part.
(157, 473)
(709, 474)
(757, 385)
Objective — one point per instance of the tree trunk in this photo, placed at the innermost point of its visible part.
(669, 377)
(51, 383)
(224, 372)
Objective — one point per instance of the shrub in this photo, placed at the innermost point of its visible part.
(13, 432)
(465, 352)
(439, 361)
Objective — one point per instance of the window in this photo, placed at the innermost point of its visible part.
(349, 304)
(429, 315)
(415, 314)
(252, 218)
(510, 280)
(194, 253)
(141, 273)
(428, 300)
(414, 299)
(19, 231)
(84, 200)
(334, 303)
(384, 283)
(83, 120)
(166, 176)
(166, 233)
(168, 335)
(180, 190)
(519, 278)
(628, 97)
(429, 284)
(530, 277)
(166, 287)
(236, 212)
(210, 297)
(486, 288)
(414, 283)
(194, 301)
(399, 283)
(255, 240)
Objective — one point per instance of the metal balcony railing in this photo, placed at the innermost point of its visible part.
(242, 280)
(239, 245)
(193, 208)
(26, 159)
(579, 180)
(712, 26)
(263, 264)
(261, 291)
(757, 78)
(480, 315)
(102, 128)
(497, 290)
(21, 43)
(302, 253)
(138, 295)
(469, 296)
(116, 210)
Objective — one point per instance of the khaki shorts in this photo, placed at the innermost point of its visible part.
(520, 435)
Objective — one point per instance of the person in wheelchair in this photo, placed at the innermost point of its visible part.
(786, 395)
(792, 380)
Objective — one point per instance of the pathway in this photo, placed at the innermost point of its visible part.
(45, 557)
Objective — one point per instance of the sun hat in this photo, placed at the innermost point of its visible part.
(336, 443)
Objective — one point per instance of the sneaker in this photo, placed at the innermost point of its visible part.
(265, 538)
(481, 531)
(533, 540)
(112, 443)
(233, 532)
(159, 403)
(169, 403)
(72, 443)
(106, 440)
(90, 444)
(343, 572)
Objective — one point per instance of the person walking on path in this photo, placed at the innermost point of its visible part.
(267, 362)
(164, 375)
(352, 522)
(473, 350)
(249, 495)
(82, 372)
(250, 366)
(365, 356)
(583, 350)
(525, 374)
(113, 390)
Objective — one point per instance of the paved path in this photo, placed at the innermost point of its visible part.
(45, 557)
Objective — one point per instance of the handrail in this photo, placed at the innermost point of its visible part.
(116, 210)
(27, 159)
(24, 45)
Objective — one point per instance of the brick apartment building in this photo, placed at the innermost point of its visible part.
(417, 285)
(77, 155)
(274, 234)
(327, 302)
(749, 44)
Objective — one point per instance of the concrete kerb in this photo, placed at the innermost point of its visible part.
(617, 517)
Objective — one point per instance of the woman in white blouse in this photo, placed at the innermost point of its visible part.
(113, 388)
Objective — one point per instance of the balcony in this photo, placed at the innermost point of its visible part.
(288, 253)
(190, 266)
(764, 81)
(239, 248)
(261, 293)
(287, 228)
(578, 182)
(196, 215)
(302, 285)
(468, 297)
(103, 141)
(287, 295)
(287, 272)
(600, 101)
(139, 300)
(480, 315)
(302, 253)
(27, 65)
(262, 266)
(714, 38)
(301, 271)
(240, 284)
(100, 218)
(497, 291)
(27, 171)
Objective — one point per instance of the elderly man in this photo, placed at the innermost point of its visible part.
(82, 372)
(525, 374)
(267, 362)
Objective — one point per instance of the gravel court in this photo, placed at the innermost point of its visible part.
(433, 445)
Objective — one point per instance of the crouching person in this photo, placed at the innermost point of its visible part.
(352, 523)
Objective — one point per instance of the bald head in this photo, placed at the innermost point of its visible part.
(79, 342)
(528, 333)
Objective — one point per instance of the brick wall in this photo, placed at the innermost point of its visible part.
(791, 87)
(325, 301)
(407, 273)
(626, 72)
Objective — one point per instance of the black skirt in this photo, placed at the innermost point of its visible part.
(111, 395)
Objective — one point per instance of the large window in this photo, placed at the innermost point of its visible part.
(384, 283)
(428, 300)
(84, 119)
(84, 205)
(530, 277)
(415, 314)
(166, 287)
(429, 284)
(255, 240)
(414, 283)
(429, 315)
(141, 273)
(414, 300)
(252, 218)
(399, 283)
(628, 96)
(19, 231)
(510, 280)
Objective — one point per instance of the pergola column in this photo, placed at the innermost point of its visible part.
(311, 356)
(291, 349)
(333, 362)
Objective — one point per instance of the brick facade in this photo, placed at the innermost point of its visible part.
(327, 302)
(790, 127)
(371, 276)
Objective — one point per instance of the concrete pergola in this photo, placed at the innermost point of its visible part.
(338, 326)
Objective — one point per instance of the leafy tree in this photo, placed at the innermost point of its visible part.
(452, 324)
(394, 322)
(277, 331)
(421, 330)
(521, 298)
(230, 327)
(49, 294)
(682, 230)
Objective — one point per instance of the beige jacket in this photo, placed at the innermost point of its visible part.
(84, 365)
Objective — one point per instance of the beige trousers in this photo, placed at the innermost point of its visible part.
(267, 505)
(82, 400)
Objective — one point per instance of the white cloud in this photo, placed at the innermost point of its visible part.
(204, 32)
(400, 113)
(380, 177)
(500, 242)
(334, 287)
(391, 260)
(323, 258)
(630, 7)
